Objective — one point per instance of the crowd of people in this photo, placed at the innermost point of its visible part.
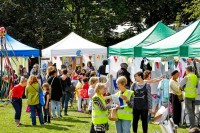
(94, 91)
(60, 88)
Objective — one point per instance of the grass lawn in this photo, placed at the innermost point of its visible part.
(74, 123)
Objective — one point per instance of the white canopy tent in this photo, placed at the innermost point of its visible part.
(75, 45)
(72, 44)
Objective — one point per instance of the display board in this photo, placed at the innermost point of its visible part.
(75, 61)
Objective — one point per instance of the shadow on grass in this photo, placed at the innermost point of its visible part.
(24, 125)
(73, 110)
(84, 117)
(70, 125)
(50, 126)
(63, 125)
(70, 119)
(56, 127)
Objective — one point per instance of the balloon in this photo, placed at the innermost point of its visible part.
(2, 31)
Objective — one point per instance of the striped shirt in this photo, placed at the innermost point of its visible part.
(101, 127)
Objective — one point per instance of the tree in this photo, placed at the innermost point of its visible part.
(192, 8)
(41, 23)
(37, 23)
(95, 19)
(190, 11)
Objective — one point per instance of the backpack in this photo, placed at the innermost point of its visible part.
(140, 100)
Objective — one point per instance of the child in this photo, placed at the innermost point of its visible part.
(84, 93)
(92, 82)
(46, 88)
(77, 92)
(102, 79)
(99, 124)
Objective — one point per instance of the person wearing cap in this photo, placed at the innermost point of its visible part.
(123, 72)
(175, 92)
(189, 84)
(35, 70)
(43, 76)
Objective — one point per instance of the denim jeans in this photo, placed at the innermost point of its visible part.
(37, 108)
(55, 105)
(71, 99)
(67, 98)
(190, 107)
(123, 126)
(17, 104)
(63, 99)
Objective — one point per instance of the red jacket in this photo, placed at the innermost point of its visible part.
(84, 91)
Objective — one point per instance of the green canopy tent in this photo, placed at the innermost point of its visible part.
(132, 47)
(194, 50)
(177, 44)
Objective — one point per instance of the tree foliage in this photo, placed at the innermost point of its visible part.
(192, 8)
(190, 11)
(36, 22)
(41, 23)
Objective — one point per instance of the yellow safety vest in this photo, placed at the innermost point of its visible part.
(126, 112)
(190, 88)
(99, 116)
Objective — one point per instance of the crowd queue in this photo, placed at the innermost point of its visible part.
(94, 95)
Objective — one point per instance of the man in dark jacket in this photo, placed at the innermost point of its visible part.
(102, 68)
(56, 93)
(123, 72)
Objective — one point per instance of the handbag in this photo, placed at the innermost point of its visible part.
(41, 97)
(70, 88)
(28, 109)
(113, 115)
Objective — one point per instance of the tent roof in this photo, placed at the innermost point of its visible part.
(175, 45)
(16, 48)
(132, 46)
(71, 44)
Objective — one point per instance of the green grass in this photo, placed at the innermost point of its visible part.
(74, 123)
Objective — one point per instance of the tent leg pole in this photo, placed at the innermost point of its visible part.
(39, 61)
(1, 75)
(1, 65)
(108, 57)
